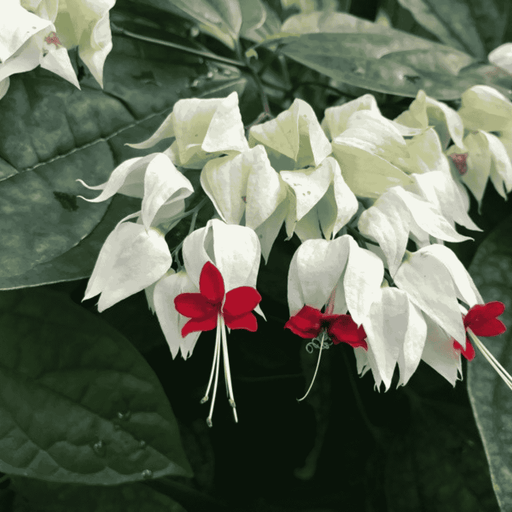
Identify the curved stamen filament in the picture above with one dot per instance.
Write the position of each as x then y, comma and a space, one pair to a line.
227, 370
322, 339
216, 364
506, 377
216, 353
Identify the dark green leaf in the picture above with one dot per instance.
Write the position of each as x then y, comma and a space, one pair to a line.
78, 262
38, 496
474, 26
438, 464
491, 399
51, 134
221, 19
381, 62
78, 404
257, 33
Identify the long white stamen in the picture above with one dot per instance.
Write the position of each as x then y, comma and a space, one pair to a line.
322, 339
216, 352
227, 370
216, 378
506, 377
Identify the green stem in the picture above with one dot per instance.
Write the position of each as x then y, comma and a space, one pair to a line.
200, 53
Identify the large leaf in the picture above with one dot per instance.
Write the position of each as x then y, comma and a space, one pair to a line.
474, 26
40, 496
51, 134
78, 403
221, 19
369, 61
491, 399
78, 262
379, 58
438, 463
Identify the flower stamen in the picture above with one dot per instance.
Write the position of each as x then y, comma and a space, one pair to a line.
227, 370
323, 337
505, 376
215, 379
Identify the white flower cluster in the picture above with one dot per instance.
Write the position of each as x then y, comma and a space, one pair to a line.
40, 33
356, 189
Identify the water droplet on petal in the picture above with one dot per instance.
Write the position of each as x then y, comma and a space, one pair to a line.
147, 473
100, 448
124, 416
142, 444
209, 75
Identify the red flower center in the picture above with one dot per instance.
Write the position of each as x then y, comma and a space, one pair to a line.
309, 322
204, 308
482, 321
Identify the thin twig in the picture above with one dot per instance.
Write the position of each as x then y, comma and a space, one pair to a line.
176, 46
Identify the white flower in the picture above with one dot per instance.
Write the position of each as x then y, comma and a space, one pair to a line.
398, 214
502, 57
294, 139
245, 188
203, 129
371, 152
425, 112
321, 267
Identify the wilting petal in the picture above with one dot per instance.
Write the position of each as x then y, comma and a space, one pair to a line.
241, 301
344, 329
307, 323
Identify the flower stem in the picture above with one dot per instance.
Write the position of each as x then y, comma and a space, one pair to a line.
200, 53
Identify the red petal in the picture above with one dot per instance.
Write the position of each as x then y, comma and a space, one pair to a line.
481, 319
344, 329
241, 301
307, 323
204, 324
469, 353
194, 305
247, 322
211, 283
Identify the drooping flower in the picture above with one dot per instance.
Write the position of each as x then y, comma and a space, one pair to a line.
216, 289
203, 129
309, 322
213, 308
205, 307
136, 255
481, 320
